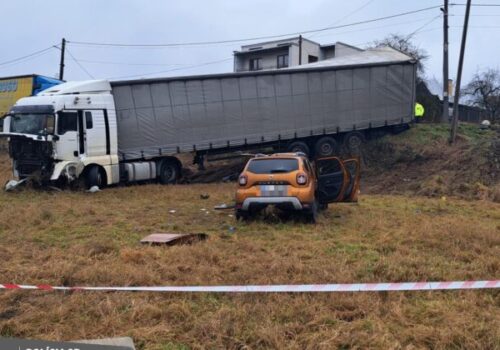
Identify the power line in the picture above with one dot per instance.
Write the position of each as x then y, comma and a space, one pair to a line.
423, 26
349, 14
254, 38
133, 63
79, 64
174, 69
376, 27
28, 56
478, 5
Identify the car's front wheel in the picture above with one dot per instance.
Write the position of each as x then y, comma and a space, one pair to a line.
311, 214
242, 215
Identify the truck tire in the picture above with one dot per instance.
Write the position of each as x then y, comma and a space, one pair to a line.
299, 146
95, 177
169, 172
325, 147
353, 142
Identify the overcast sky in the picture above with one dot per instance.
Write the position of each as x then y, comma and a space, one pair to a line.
29, 26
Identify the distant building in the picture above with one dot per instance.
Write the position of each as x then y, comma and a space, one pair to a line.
287, 53
14, 88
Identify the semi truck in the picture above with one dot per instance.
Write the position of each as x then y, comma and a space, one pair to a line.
114, 132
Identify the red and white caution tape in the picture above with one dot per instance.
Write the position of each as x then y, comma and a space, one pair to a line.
282, 288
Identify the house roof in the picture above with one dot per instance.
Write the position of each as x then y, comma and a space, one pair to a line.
264, 49
370, 56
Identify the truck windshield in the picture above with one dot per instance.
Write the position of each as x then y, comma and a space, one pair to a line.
31, 123
273, 165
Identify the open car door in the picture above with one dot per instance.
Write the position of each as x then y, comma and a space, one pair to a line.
338, 181
352, 167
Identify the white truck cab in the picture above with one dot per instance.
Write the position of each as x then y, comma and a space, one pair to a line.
70, 131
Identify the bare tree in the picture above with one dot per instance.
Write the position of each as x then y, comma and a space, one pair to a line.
404, 44
484, 91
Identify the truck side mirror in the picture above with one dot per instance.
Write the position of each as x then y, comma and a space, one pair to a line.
6, 123
55, 137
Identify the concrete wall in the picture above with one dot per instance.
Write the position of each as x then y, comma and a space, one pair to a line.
342, 49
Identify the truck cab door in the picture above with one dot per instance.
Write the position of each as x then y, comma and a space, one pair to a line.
95, 133
338, 181
67, 144
332, 179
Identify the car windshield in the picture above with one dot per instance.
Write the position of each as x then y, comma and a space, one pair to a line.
31, 123
273, 165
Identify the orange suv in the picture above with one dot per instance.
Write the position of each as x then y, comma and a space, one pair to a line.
290, 182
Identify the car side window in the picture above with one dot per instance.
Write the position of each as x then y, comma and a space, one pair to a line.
67, 121
328, 167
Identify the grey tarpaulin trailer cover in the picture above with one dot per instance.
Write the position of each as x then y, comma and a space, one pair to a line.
369, 89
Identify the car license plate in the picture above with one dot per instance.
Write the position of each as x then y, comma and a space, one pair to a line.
273, 190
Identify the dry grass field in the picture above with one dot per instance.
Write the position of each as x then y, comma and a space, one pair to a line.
78, 238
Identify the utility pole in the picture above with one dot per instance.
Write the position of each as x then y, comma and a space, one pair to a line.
300, 50
446, 100
454, 124
61, 64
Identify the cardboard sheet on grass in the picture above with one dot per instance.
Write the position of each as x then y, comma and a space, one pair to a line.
174, 238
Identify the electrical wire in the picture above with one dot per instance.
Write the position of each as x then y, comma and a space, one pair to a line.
423, 26
477, 5
171, 70
28, 56
249, 39
377, 27
348, 15
79, 64
133, 63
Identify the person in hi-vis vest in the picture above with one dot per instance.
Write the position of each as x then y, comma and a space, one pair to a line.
419, 112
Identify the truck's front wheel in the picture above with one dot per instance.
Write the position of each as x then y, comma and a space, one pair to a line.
95, 177
169, 172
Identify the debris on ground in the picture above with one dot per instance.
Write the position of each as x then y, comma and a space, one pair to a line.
174, 238
223, 206
204, 196
13, 184
94, 189
122, 343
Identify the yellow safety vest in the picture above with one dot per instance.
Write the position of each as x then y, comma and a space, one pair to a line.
419, 110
